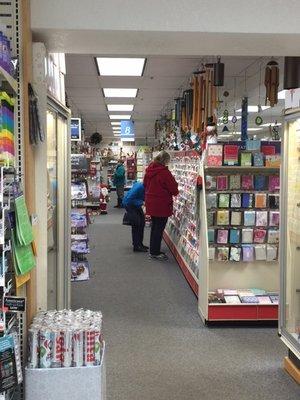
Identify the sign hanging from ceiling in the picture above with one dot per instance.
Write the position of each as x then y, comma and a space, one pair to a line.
127, 131
76, 129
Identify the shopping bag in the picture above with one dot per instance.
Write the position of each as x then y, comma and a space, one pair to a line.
126, 220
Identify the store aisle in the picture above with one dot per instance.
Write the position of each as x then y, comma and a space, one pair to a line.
157, 347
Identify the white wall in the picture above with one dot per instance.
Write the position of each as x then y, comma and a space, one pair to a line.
191, 27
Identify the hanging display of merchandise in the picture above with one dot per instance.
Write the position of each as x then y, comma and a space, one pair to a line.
290, 244
7, 144
130, 170
143, 159
240, 231
182, 231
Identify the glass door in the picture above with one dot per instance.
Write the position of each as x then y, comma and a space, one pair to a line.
290, 234
58, 198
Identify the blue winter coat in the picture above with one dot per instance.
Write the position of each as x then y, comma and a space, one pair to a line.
135, 196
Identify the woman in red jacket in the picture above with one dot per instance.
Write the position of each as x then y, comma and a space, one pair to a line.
160, 187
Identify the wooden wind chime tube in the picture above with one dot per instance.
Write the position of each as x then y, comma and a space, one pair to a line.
195, 120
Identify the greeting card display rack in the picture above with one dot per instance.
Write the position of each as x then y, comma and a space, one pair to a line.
239, 235
182, 231
144, 157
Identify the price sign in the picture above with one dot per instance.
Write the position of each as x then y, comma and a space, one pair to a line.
127, 131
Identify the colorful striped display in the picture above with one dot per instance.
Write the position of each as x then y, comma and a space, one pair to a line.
7, 143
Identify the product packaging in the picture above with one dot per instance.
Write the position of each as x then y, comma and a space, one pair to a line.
236, 218
274, 201
234, 182
211, 235
223, 253
224, 200
247, 235
211, 218
259, 235
261, 218
222, 182
273, 236
211, 253
260, 182
236, 200
249, 218
222, 236
260, 252
246, 159
235, 254
258, 160
247, 200
214, 155
274, 183
231, 154
247, 182
274, 218
211, 182
260, 200
211, 200
272, 252
234, 236
222, 217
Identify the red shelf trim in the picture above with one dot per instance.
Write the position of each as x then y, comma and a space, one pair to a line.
243, 312
182, 264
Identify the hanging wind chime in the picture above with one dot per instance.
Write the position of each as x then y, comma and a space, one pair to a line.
259, 119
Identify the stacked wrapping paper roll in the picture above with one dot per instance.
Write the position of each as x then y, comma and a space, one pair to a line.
65, 339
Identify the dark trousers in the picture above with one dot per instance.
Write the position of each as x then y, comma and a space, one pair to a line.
137, 219
157, 230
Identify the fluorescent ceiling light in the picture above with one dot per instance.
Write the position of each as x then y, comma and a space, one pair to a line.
111, 92
281, 94
128, 140
108, 66
255, 129
120, 107
116, 128
272, 124
120, 116
115, 123
117, 134
254, 109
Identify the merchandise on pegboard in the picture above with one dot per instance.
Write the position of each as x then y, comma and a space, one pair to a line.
131, 167
240, 227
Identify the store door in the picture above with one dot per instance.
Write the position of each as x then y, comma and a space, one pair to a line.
58, 198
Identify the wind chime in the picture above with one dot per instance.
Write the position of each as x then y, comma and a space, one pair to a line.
272, 83
259, 119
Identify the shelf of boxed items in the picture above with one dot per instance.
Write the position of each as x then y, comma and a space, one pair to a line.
240, 236
80, 267
182, 233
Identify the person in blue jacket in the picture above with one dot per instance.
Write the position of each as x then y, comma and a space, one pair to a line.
119, 182
133, 202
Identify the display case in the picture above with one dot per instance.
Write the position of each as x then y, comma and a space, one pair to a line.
290, 239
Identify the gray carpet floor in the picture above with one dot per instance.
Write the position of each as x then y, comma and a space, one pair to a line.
157, 346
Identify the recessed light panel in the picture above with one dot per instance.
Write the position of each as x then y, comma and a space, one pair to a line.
120, 107
112, 92
254, 109
119, 116
116, 123
108, 66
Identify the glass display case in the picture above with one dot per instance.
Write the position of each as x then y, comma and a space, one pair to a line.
290, 236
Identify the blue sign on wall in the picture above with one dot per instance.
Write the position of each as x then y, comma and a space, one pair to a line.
127, 130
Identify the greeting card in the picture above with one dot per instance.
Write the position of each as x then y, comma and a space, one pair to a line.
259, 235
247, 200
264, 299
214, 155
253, 145
222, 182
224, 200
260, 252
232, 299
274, 201
248, 253
223, 253
249, 299
235, 254
211, 218
258, 160
234, 236
234, 182
274, 183
236, 200
273, 236
236, 218
222, 236
211, 235
273, 161
222, 217
260, 200
268, 150
274, 299
247, 182
249, 218
260, 182
271, 253
274, 218
247, 235
211, 200
246, 159
211, 253
231, 154
261, 218
211, 182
